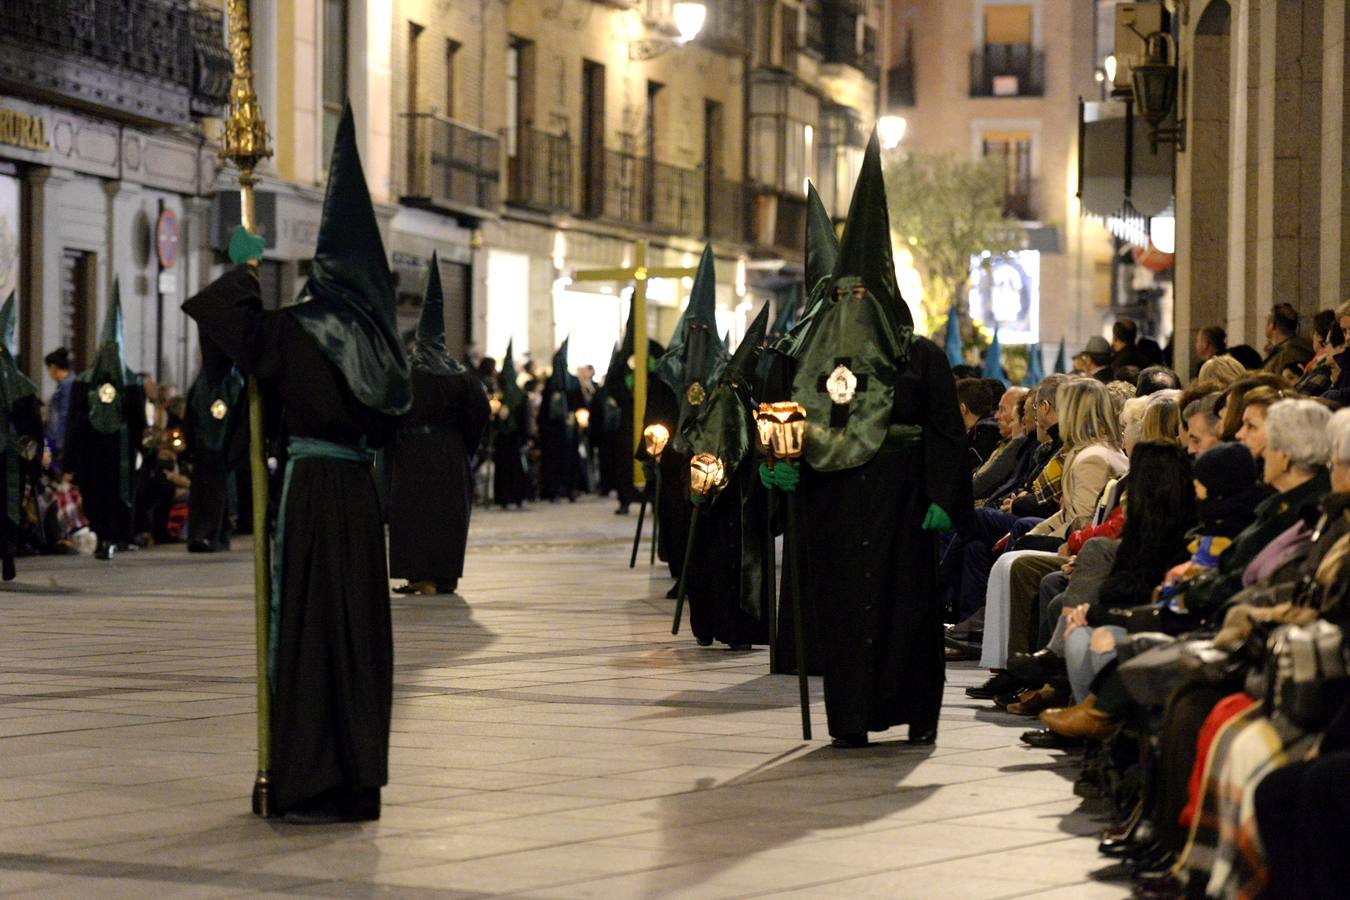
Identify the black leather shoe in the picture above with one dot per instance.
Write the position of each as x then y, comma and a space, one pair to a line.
739, 648
924, 737
673, 593
996, 686
1038, 667
104, 550
850, 741
1045, 739
202, 546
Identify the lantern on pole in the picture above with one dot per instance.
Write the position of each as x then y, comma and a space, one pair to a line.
707, 476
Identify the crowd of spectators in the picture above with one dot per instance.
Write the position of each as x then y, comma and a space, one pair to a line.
1157, 575
51, 514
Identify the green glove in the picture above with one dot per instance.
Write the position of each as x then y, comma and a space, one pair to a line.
766, 476
786, 476
245, 246
936, 519
697, 499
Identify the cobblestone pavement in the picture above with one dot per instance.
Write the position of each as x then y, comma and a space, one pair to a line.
550, 739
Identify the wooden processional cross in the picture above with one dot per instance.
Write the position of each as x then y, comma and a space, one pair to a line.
638, 274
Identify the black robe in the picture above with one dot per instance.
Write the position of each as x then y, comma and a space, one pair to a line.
217, 449
869, 569
559, 444
16, 473
510, 480
104, 465
721, 593
431, 488
334, 657
673, 503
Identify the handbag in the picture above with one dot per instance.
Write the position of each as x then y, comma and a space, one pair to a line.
1307, 678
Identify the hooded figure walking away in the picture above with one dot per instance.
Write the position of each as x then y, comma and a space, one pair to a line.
782, 356
510, 480
559, 443
431, 489
335, 364
618, 406
105, 426
886, 466
688, 369
217, 436
725, 581
21, 433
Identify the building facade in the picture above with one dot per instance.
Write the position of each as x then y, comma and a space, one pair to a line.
105, 170
1002, 80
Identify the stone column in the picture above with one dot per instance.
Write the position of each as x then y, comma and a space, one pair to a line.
1245, 31
1335, 194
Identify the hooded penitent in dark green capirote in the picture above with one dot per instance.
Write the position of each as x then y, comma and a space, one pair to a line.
560, 472
429, 351
334, 370
20, 425
725, 583
884, 443
105, 424
822, 248
695, 355
430, 483
510, 480
347, 304
217, 436
616, 454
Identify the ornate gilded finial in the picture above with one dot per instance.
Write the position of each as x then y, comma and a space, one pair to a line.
245, 138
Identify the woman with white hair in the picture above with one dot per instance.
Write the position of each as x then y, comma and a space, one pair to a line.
1091, 434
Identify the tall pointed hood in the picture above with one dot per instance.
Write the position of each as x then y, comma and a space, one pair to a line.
865, 252
109, 365
993, 360
557, 378
740, 369
1035, 367
822, 244
822, 252
429, 353
952, 345
506, 378
348, 304
14, 385
696, 354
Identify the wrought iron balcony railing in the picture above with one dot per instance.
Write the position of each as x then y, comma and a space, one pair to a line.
539, 175
160, 60
451, 165
638, 192
1007, 70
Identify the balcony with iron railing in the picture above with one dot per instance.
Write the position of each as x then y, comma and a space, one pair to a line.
451, 165
154, 60
1021, 201
539, 172
637, 192
1007, 70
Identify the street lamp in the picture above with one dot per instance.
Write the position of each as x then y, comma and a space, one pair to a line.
1154, 83
688, 17
891, 131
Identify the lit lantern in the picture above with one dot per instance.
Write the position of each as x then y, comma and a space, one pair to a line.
583, 418
495, 404
764, 426
175, 439
785, 423
654, 438
707, 474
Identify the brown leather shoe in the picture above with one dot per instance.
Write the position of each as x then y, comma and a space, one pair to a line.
1032, 702
1082, 720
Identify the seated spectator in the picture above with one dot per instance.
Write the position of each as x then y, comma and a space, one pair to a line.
1124, 349
1284, 345
1156, 378
1234, 400
1222, 369
1001, 463
1255, 405
1210, 342
1323, 370
977, 407
1098, 364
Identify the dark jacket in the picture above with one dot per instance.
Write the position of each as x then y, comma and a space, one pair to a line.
984, 438
1294, 352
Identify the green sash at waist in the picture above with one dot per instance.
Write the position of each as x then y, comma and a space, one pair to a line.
299, 448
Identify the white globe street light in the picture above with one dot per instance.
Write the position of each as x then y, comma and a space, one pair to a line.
689, 18
891, 131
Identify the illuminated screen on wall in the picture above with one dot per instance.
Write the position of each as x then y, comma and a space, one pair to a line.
1007, 290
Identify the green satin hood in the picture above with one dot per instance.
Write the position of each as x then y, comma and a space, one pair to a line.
109, 369
347, 305
724, 424
694, 359
14, 385
429, 351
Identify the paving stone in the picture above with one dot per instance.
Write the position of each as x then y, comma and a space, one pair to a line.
550, 739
